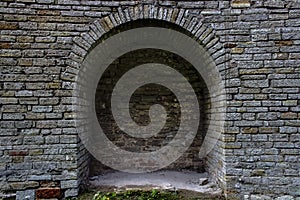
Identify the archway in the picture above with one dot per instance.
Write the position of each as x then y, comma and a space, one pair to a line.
82, 68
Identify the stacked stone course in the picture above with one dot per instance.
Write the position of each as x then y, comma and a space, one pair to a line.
255, 44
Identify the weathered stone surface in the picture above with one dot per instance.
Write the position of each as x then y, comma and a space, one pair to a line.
285, 197
23, 185
260, 197
40, 59
240, 3
25, 195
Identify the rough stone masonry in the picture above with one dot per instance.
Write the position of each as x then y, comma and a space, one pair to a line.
255, 45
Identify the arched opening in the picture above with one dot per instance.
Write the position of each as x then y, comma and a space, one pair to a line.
96, 80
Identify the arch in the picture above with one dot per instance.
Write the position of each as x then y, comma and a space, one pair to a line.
201, 33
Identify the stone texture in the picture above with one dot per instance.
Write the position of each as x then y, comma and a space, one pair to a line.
254, 43
26, 195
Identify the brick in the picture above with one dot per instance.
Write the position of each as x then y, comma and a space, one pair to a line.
34, 140
278, 96
35, 115
36, 152
8, 100
259, 138
248, 116
13, 116
17, 159
28, 25
47, 26
5, 45
68, 139
69, 184
249, 90
26, 1
289, 115
267, 116
268, 130
232, 145
53, 115
42, 93
52, 139
286, 83
237, 50
49, 101
48, 193
25, 39
39, 177
8, 132
290, 103
33, 53
250, 130
8, 26
274, 4
14, 108
71, 192
10, 53
255, 71
45, 39
69, 115
29, 100
24, 93
240, 3
53, 85
278, 137
18, 153
285, 145
284, 42
41, 109
23, 185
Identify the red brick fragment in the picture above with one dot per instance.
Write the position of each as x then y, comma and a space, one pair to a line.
48, 193
18, 153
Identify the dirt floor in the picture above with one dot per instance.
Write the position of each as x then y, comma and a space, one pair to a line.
166, 180
187, 184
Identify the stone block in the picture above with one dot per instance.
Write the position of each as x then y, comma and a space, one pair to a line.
255, 83
8, 100
8, 25
39, 177
240, 3
286, 83
41, 109
25, 195
23, 185
13, 116
260, 197
71, 192
289, 115
69, 184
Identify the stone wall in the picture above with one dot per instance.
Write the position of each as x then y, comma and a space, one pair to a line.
141, 101
254, 44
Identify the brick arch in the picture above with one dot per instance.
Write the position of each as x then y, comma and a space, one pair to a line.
203, 34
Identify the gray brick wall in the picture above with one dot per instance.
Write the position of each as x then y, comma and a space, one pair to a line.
255, 45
